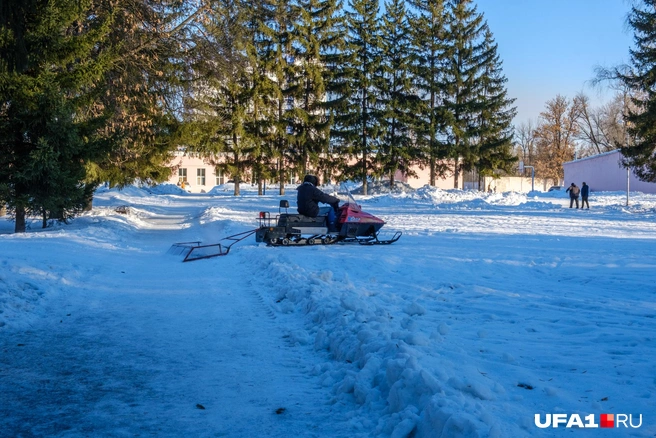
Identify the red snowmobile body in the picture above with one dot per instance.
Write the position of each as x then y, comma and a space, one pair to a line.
353, 222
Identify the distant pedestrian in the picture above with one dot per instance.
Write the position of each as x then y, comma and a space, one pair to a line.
573, 195
585, 190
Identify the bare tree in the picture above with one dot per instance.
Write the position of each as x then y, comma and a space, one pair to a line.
602, 129
590, 126
525, 141
555, 137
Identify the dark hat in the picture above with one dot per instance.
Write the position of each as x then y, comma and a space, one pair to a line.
311, 179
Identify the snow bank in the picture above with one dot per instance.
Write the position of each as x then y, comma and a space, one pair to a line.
375, 356
167, 189
24, 292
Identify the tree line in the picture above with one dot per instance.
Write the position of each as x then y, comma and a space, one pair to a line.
95, 91
348, 91
102, 91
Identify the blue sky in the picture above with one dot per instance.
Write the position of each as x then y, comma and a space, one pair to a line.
552, 47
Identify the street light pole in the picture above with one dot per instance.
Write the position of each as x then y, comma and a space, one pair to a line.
628, 179
532, 176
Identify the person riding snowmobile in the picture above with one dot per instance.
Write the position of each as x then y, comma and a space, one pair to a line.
309, 197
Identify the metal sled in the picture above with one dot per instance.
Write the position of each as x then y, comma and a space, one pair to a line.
195, 251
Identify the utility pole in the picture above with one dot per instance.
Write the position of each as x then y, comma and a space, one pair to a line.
628, 180
532, 176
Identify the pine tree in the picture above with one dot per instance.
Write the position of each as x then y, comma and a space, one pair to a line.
219, 103
399, 103
316, 37
429, 50
463, 71
356, 125
276, 55
263, 100
641, 80
49, 68
140, 93
495, 132
478, 111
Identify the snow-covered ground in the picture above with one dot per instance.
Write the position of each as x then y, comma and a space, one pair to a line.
491, 308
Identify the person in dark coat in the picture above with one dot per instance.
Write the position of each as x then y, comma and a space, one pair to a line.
573, 195
309, 197
585, 190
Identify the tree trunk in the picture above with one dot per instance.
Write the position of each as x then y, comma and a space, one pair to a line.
236, 192
432, 178
44, 222
281, 177
20, 220
89, 204
3, 210
364, 173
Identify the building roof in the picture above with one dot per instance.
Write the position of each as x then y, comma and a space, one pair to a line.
616, 151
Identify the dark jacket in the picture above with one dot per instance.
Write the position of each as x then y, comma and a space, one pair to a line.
585, 189
573, 191
308, 198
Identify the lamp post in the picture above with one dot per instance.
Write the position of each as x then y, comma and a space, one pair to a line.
628, 179
532, 176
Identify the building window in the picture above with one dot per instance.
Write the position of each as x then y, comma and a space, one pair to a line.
200, 177
182, 175
219, 177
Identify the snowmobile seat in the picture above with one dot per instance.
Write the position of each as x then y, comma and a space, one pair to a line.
299, 220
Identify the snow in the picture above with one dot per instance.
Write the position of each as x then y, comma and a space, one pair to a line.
491, 308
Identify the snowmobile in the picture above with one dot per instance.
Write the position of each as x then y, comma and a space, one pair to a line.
352, 225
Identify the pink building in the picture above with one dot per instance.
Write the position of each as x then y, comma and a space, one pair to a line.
604, 172
423, 178
200, 176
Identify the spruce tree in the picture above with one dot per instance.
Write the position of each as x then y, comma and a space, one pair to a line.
466, 79
316, 37
429, 51
146, 45
398, 102
356, 125
641, 80
495, 131
262, 100
276, 55
49, 68
219, 102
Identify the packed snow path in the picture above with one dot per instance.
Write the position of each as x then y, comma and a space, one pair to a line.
490, 309
133, 347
